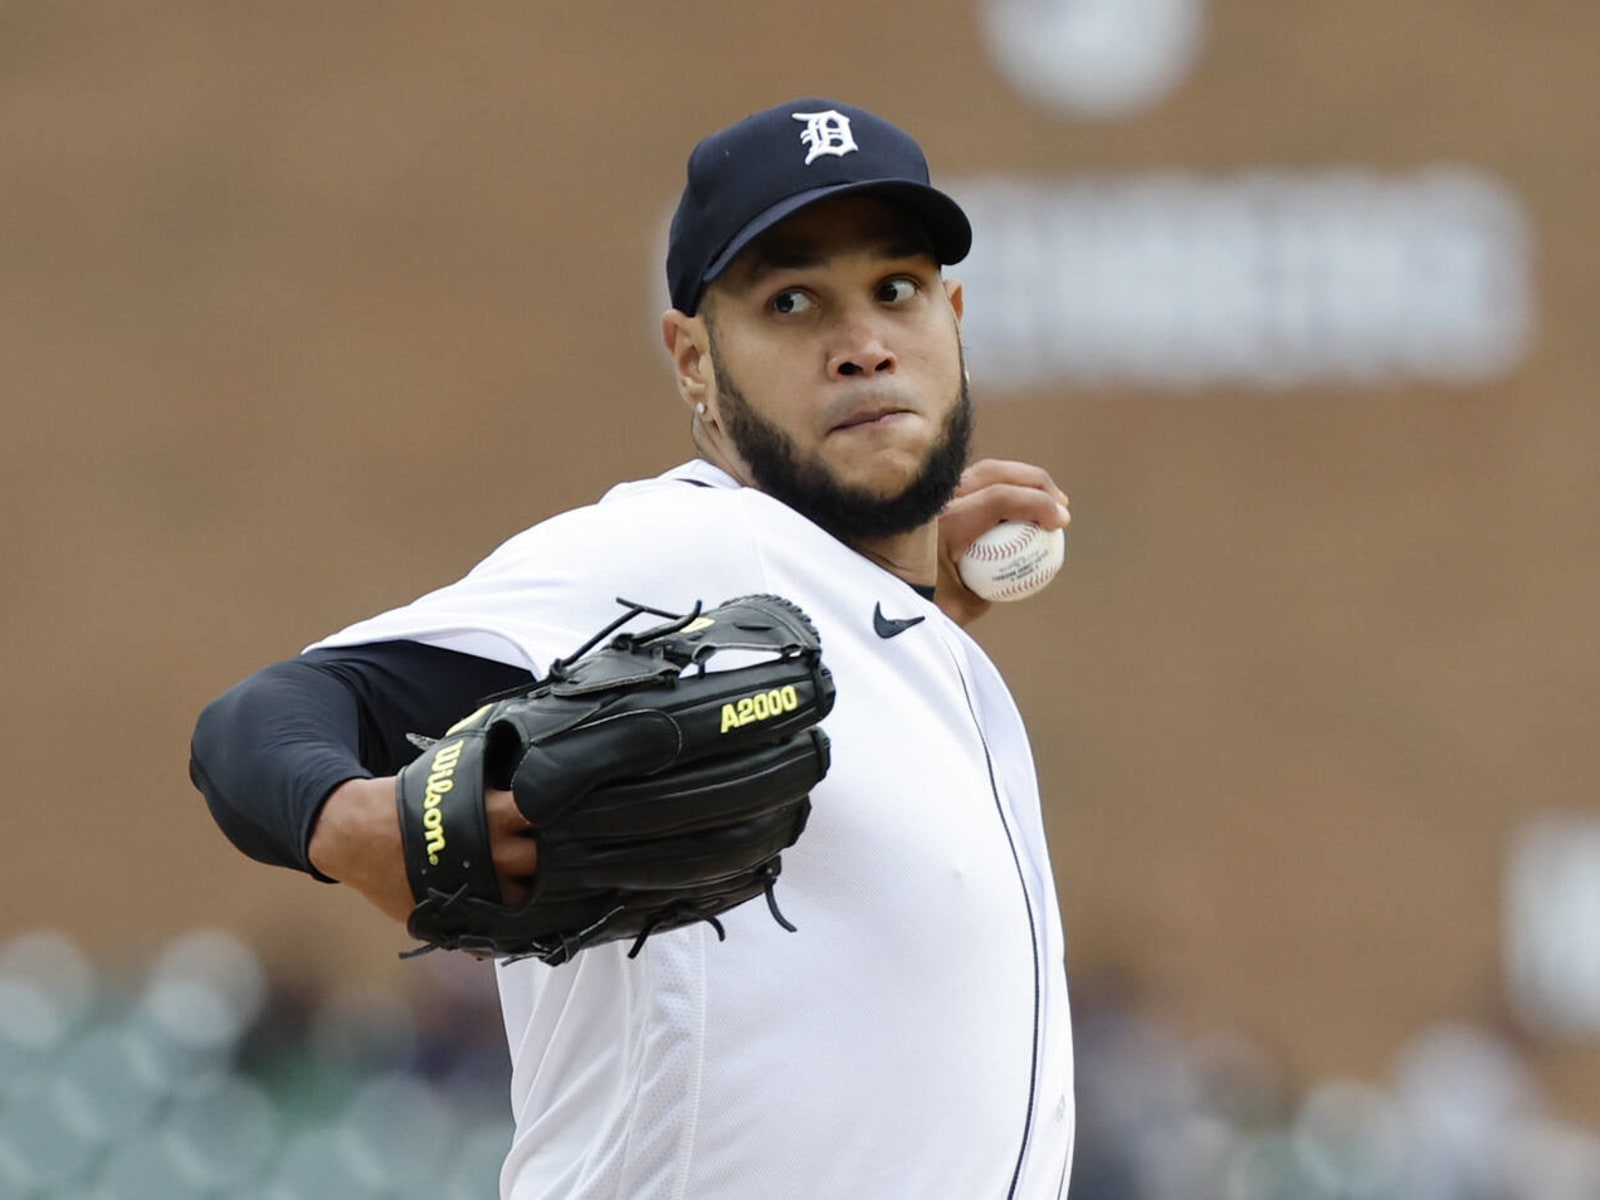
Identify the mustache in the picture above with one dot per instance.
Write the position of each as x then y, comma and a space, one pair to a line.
874, 397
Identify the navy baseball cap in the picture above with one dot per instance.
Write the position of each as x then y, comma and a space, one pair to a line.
745, 179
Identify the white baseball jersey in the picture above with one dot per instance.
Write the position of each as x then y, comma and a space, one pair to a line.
912, 1039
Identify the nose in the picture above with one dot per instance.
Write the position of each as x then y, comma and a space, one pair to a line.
859, 350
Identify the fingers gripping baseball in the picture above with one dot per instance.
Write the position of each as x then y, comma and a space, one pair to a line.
991, 491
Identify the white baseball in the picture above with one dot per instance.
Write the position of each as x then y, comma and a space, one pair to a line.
1012, 560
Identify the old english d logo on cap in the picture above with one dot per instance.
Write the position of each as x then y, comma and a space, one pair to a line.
826, 133
743, 180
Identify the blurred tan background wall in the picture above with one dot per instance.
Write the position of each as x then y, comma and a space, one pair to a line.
304, 307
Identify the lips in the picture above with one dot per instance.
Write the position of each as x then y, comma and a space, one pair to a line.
869, 416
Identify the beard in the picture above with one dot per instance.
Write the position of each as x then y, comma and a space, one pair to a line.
806, 485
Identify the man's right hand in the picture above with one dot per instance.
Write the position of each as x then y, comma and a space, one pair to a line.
356, 840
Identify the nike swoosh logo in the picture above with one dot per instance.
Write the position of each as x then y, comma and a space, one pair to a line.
888, 627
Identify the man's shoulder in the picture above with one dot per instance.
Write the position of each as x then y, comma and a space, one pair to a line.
695, 501
692, 501
691, 484
690, 511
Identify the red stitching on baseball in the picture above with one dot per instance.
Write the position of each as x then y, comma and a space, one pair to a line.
1012, 545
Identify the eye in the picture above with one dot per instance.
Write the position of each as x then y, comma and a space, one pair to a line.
897, 290
791, 301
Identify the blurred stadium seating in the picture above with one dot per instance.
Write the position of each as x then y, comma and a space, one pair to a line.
198, 1082
1459, 1118
200, 1079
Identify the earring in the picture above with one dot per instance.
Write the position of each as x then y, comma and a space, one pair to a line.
700, 407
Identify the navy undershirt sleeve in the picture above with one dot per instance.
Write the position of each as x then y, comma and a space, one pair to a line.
268, 751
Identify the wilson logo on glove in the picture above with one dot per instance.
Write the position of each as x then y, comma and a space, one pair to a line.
439, 782
660, 793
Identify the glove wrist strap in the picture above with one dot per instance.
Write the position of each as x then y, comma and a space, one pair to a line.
443, 827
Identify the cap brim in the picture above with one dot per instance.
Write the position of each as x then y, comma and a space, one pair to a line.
946, 224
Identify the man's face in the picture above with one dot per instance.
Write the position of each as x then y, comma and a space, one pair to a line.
839, 373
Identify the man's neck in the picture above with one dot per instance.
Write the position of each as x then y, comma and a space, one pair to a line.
913, 556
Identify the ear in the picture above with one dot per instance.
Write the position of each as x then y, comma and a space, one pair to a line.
957, 298
689, 345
